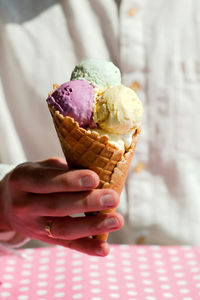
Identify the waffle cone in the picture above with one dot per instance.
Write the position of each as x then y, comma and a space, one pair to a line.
85, 149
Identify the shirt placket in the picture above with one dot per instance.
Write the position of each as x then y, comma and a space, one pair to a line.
133, 61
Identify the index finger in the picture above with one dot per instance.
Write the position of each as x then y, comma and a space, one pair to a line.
39, 179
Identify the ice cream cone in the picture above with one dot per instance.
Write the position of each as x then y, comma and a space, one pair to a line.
86, 149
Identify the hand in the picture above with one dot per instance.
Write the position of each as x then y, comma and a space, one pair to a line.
34, 192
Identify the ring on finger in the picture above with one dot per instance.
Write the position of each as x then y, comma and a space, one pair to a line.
48, 227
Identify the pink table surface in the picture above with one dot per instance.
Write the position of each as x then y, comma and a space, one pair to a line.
128, 272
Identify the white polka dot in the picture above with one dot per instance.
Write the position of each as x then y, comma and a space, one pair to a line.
111, 271
142, 266
130, 284
77, 278
142, 258
184, 291
179, 274
95, 282
189, 255
114, 295
22, 297
174, 259
45, 252
9, 269
149, 290
195, 269
111, 264
29, 250
93, 266
155, 248
157, 254
42, 275
128, 277
186, 248
76, 263
11, 262
131, 293
24, 288
196, 277
59, 285
112, 279
44, 260
25, 281
77, 287
77, 270
60, 254
123, 246
159, 263
26, 273
42, 283
198, 285
43, 268
125, 254
141, 250
59, 277
94, 274
172, 251
192, 262
113, 287
27, 266
150, 298
77, 296
145, 274
95, 290
77, 255
111, 257
41, 292
147, 281
96, 298
7, 285
5, 294
165, 286
176, 267
60, 261
163, 278
60, 269
181, 282
126, 262
93, 259
167, 295
187, 298
8, 276
127, 270
161, 271
59, 294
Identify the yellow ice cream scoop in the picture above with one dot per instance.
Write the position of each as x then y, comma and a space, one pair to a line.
118, 110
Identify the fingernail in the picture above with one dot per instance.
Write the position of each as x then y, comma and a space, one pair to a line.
100, 252
112, 223
87, 181
107, 200
103, 251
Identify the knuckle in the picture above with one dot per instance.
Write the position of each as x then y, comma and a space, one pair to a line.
87, 201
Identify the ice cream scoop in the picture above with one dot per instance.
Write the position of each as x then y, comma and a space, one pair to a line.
98, 72
118, 110
74, 99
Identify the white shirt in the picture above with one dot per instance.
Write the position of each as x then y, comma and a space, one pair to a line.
156, 45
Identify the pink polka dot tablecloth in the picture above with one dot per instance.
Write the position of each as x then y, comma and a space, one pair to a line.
127, 273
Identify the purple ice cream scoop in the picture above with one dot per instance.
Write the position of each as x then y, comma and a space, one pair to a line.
74, 99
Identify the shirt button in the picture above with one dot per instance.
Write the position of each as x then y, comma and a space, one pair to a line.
135, 85
139, 167
132, 11
141, 240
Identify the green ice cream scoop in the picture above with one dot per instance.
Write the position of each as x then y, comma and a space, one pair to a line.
98, 72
